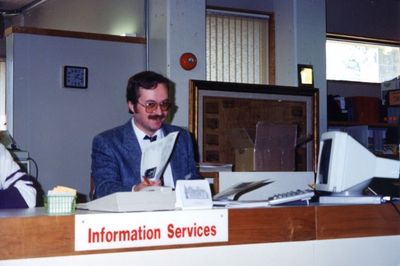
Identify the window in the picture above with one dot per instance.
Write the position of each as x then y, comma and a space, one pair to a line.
237, 47
361, 61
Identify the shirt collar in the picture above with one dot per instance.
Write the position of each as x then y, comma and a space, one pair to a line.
140, 134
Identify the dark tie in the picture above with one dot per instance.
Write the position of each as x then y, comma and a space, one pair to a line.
153, 138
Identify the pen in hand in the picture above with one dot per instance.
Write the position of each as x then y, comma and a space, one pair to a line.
146, 181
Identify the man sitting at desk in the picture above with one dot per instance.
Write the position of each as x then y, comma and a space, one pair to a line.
116, 153
16, 187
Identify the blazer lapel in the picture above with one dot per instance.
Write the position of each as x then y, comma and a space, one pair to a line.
130, 142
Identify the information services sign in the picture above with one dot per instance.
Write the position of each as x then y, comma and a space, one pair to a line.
141, 229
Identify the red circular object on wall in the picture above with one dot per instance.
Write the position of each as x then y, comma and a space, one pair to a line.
188, 61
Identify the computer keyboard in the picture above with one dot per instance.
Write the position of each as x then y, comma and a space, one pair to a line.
290, 196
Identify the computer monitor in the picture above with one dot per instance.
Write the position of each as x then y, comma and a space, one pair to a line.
345, 167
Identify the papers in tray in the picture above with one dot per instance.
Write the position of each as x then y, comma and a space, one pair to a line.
155, 156
151, 200
237, 190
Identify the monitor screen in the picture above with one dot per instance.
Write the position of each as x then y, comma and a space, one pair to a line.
324, 161
347, 167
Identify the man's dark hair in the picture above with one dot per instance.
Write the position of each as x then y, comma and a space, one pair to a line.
147, 80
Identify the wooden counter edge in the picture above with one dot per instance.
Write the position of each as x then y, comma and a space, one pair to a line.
50, 236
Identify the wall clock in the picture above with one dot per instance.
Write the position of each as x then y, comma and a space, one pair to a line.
75, 77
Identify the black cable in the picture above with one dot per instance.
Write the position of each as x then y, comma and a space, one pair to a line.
36, 166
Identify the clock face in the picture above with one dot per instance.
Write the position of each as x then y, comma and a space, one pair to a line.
75, 77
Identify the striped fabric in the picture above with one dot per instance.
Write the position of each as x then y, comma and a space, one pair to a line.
16, 187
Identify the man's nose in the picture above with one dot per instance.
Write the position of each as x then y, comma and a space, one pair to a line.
158, 110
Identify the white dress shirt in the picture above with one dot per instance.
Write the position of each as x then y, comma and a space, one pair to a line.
167, 175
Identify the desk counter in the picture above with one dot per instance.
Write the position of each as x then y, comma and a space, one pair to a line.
31, 233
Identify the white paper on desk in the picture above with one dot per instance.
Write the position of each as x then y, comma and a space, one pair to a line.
155, 156
237, 190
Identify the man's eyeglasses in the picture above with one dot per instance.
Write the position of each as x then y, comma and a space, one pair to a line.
151, 106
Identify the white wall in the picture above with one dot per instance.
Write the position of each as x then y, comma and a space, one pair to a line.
300, 39
285, 43
56, 125
115, 17
311, 49
177, 27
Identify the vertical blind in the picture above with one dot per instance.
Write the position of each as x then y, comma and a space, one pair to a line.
237, 48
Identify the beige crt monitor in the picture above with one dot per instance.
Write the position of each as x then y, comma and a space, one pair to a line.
345, 167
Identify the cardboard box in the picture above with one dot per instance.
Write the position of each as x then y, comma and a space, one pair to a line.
386, 87
394, 98
271, 149
363, 109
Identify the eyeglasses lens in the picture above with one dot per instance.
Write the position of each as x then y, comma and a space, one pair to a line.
152, 106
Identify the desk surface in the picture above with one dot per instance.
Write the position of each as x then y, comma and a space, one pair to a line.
31, 233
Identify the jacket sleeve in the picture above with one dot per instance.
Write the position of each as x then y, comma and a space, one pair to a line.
105, 169
191, 163
17, 189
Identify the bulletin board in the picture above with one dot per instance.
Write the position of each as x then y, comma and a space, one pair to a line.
218, 107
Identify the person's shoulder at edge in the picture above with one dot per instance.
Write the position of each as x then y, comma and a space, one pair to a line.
23, 192
113, 132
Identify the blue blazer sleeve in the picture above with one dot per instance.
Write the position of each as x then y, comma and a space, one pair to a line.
116, 158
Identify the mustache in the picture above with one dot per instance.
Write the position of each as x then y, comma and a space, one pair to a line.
156, 117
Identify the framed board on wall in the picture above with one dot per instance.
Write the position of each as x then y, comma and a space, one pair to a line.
215, 108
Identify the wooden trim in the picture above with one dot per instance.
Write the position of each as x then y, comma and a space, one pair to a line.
271, 50
250, 226
74, 34
215, 177
193, 110
50, 236
350, 82
361, 38
238, 10
357, 221
354, 123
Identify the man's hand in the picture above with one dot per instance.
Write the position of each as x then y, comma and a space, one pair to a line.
147, 183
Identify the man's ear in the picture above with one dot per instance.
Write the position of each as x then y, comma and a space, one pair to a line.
131, 107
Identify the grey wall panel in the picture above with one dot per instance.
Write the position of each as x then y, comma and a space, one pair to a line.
55, 124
